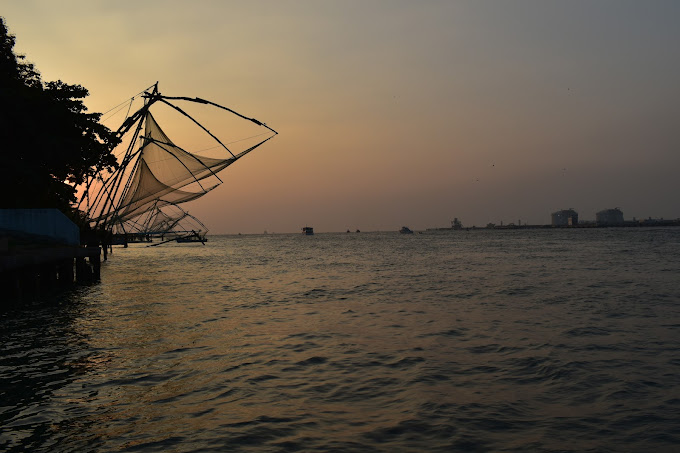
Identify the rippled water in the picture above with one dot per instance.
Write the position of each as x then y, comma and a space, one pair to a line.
445, 341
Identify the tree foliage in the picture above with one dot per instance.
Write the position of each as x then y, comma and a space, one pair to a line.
49, 143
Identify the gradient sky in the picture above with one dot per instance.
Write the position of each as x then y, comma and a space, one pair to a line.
394, 112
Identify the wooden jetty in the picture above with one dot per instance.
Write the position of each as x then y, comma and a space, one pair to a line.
29, 273
39, 259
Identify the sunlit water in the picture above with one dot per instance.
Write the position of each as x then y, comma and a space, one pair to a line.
444, 341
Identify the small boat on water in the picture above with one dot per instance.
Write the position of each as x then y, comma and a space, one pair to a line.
308, 230
406, 230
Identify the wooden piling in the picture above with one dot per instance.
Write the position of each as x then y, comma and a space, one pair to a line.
31, 274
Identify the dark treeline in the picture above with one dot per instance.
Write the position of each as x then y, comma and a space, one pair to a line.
48, 141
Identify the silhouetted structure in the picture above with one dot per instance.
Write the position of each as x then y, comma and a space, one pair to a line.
142, 195
41, 253
565, 217
609, 217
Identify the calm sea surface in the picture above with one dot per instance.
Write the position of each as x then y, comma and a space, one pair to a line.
531, 340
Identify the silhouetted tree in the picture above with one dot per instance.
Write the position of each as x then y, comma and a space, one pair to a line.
48, 141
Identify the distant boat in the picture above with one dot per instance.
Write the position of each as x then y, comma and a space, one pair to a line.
307, 231
406, 230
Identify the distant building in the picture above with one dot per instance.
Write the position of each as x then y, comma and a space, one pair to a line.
565, 217
609, 217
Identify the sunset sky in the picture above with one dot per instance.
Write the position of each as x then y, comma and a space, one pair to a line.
395, 112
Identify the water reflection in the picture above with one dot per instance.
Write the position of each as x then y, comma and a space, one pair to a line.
370, 342
44, 353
